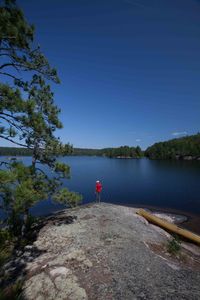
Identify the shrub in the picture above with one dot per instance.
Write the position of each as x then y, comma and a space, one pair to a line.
174, 246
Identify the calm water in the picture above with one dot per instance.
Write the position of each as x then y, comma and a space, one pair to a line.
162, 184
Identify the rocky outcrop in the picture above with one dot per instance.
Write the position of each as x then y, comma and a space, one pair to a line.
106, 252
188, 157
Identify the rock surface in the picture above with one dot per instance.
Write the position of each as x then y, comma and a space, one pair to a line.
107, 252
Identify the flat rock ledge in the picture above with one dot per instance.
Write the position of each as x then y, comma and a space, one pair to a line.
106, 252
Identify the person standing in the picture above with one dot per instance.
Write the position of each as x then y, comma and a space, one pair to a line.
98, 191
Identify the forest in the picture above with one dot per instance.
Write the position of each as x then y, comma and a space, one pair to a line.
123, 151
187, 148
180, 148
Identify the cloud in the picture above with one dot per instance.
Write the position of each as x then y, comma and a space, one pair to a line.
176, 133
138, 140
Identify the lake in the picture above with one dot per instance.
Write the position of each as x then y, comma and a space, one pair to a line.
174, 185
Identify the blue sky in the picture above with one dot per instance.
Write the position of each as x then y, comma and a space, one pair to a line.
130, 69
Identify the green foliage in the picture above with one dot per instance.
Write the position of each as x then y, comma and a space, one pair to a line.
16, 40
4, 236
63, 169
123, 151
68, 150
174, 245
13, 27
86, 151
5, 245
176, 148
67, 197
5, 254
18, 187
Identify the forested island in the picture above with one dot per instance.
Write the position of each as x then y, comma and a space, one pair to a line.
186, 148
123, 152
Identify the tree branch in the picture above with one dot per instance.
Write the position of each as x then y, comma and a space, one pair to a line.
9, 116
7, 65
4, 163
42, 172
14, 142
12, 76
21, 128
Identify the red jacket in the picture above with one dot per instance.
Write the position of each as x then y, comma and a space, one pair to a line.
98, 187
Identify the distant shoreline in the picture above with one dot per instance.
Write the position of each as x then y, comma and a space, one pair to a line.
185, 159
185, 148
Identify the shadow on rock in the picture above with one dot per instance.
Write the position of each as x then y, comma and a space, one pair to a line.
13, 273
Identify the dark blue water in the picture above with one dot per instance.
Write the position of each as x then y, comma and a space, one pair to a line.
162, 184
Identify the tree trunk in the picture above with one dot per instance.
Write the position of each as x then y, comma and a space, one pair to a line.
25, 220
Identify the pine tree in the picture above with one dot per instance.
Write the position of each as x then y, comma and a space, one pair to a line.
28, 118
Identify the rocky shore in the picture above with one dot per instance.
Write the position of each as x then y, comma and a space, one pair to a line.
104, 251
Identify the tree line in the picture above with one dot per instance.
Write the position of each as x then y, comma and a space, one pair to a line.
14, 151
187, 147
123, 151
179, 148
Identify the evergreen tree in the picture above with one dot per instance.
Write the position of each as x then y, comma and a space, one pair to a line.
28, 118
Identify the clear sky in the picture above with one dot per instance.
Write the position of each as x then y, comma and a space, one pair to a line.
130, 69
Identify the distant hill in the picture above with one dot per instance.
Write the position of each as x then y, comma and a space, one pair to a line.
186, 148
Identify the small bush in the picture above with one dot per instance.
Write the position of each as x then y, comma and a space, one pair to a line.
174, 245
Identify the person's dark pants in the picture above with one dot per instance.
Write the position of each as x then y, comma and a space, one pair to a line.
98, 198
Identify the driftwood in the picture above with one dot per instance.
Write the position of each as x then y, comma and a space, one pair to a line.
169, 226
